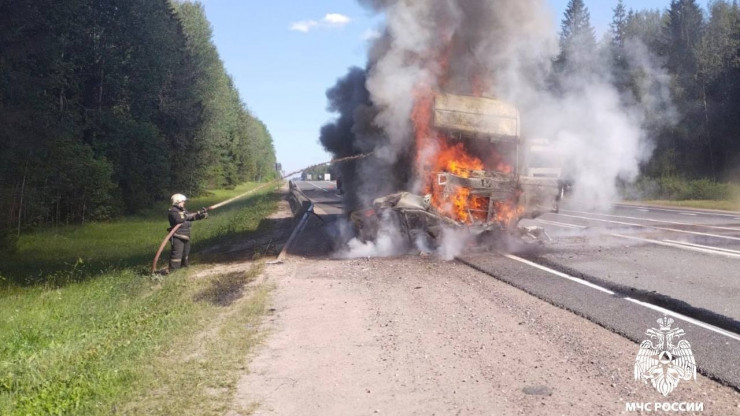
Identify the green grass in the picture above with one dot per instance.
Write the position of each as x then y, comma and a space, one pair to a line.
72, 253
201, 377
677, 191
125, 344
99, 337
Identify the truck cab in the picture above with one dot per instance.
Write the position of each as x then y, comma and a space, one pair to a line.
492, 179
524, 177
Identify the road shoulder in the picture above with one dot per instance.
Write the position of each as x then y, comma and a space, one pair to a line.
416, 335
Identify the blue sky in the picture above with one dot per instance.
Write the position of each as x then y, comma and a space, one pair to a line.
284, 54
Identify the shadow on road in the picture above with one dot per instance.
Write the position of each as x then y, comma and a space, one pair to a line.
317, 239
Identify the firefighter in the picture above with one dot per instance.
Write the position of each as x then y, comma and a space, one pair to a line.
180, 241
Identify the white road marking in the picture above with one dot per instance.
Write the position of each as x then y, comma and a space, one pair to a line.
561, 224
557, 273
317, 187
669, 243
653, 227
686, 318
643, 209
716, 227
645, 304
736, 218
726, 250
733, 213
683, 246
687, 213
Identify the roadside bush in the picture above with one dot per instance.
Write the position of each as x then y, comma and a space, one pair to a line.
708, 189
676, 189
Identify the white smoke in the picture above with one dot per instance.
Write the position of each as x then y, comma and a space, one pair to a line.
510, 45
598, 138
389, 241
452, 243
652, 89
505, 49
600, 134
393, 79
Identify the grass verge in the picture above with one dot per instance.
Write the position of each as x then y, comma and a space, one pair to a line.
680, 192
60, 255
100, 337
701, 204
122, 344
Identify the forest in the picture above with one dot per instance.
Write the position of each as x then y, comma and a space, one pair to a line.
109, 106
698, 51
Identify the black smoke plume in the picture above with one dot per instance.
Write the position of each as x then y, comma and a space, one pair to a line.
502, 49
353, 133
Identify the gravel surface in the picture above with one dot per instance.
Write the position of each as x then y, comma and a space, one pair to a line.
415, 335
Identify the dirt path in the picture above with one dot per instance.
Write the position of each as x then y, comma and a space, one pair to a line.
417, 335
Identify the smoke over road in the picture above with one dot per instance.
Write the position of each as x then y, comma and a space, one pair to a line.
505, 49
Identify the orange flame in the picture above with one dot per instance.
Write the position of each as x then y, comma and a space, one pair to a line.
508, 211
437, 153
456, 160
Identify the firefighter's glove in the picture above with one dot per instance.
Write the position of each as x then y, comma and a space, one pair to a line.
202, 214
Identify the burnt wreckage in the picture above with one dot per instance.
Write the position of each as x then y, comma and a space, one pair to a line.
505, 179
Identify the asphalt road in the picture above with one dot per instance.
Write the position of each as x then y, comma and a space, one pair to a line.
626, 268
689, 256
323, 194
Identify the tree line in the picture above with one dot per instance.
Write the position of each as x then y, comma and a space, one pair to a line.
699, 51
107, 106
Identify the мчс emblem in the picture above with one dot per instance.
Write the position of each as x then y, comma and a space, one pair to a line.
667, 361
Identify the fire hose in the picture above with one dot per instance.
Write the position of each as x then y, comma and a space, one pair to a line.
297, 230
230, 200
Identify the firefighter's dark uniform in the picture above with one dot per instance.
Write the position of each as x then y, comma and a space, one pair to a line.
180, 241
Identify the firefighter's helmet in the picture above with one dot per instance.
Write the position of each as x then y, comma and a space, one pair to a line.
177, 198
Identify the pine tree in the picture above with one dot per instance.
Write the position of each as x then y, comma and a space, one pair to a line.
645, 26
577, 39
113, 103
718, 61
682, 36
618, 25
616, 48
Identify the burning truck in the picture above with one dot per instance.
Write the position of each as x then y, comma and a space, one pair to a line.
475, 173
